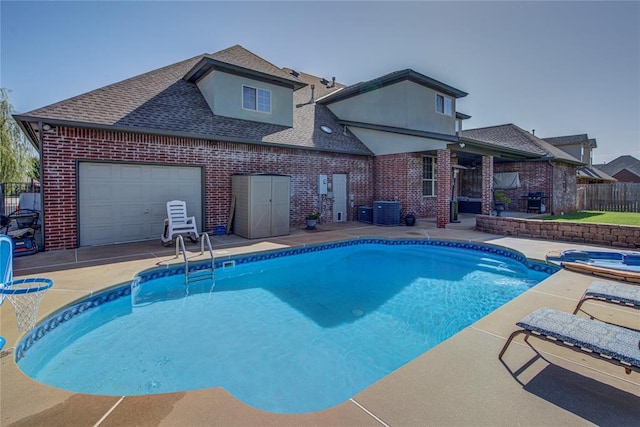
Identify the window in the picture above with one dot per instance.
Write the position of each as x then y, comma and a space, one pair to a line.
429, 176
256, 99
444, 105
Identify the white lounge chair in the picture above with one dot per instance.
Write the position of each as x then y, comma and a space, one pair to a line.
177, 222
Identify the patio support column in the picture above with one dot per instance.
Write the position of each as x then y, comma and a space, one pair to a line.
443, 170
487, 185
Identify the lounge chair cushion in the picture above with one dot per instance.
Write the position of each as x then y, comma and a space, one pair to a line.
610, 292
602, 338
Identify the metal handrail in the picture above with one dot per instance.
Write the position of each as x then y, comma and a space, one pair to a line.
179, 246
204, 237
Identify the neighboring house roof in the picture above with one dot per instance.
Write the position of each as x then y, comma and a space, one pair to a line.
162, 101
615, 166
590, 172
568, 139
582, 138
389, 79
512, 137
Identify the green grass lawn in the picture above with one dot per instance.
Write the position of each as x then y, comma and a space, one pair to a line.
618, 218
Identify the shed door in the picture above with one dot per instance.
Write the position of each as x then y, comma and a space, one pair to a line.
120, 203
280, 198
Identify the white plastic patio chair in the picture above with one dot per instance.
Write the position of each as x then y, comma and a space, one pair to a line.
177, 222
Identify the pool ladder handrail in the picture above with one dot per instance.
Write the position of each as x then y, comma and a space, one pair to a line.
181, 248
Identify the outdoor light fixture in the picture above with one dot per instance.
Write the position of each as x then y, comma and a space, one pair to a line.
461, 144
46, 126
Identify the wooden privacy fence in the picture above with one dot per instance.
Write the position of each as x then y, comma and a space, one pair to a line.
617, 197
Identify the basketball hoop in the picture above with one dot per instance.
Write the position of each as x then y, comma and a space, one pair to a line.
25, 296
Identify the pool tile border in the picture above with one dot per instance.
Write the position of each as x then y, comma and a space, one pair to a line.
121, 291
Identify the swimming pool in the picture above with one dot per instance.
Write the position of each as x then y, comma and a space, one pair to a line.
289, 331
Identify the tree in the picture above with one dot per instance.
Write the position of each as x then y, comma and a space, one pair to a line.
34, 168
15, 150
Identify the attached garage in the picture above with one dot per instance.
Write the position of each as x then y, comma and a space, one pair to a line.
120, 202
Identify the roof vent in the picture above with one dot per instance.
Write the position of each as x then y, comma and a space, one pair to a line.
333, 84
324, 81
294, 73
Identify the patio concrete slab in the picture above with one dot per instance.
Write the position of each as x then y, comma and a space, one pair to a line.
459, 382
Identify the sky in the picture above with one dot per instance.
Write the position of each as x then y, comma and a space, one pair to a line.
561, 68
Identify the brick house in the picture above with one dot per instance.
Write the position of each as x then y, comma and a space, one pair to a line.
538, 166
623, 168
581, 147
112, 157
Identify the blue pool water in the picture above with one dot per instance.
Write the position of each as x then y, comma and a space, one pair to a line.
290, 334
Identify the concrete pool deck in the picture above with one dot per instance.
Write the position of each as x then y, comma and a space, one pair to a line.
459, 382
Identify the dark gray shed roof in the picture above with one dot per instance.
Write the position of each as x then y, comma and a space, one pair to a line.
162, 101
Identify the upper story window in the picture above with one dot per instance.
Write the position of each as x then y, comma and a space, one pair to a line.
444, 105
256, 99
429, 187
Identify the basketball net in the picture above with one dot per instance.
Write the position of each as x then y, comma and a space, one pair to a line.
25, 296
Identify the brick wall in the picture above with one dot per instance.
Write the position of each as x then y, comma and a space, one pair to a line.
63, 146
537, 176
622, 236
443, 169
399, 177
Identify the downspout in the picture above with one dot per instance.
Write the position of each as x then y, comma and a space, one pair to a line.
551, 202
40, 151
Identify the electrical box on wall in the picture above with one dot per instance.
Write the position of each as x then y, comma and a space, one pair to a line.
322, 184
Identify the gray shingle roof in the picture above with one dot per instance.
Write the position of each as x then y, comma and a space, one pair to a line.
237, 59
568, 139
623, 162
392, 78
512, 137
162, 101
594, 173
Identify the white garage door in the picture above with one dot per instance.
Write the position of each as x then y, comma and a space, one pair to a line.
127, 202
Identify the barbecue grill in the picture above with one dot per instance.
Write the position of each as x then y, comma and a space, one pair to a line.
535, 201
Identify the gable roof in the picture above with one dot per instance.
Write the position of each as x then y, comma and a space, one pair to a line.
163, 102
239, 60
512, 137
389, 79
582, 138
568, 139
590, 172
623, 162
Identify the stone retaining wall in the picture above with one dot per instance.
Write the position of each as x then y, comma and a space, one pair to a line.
621, 236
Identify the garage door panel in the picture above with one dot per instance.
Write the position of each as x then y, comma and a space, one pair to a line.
99, 212
131, 173
100, 171
132, 192
127, 202
100, 234
132, 212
